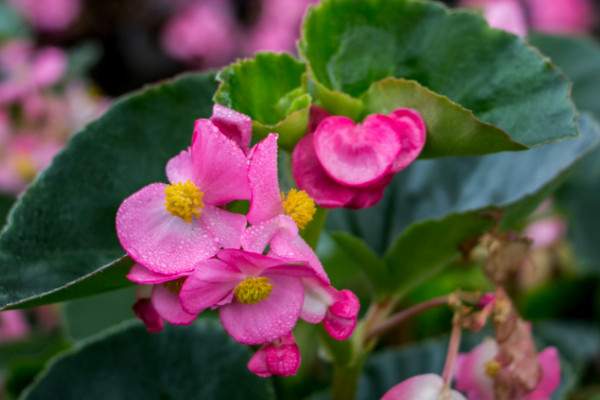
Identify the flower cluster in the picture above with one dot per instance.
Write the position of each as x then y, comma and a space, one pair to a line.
193, 254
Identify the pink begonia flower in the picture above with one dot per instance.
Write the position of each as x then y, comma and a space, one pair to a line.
473, 371
169, 228
546, 232
203, 32
508, 15
275, 222
346, 165
561, 16
158, 298
421, 387
280, 357
49, 15
26, 155
259, 297
13, 326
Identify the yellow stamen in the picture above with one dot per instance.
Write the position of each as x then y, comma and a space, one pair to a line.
299, 206
25, 167
492, 368
253, 290
184, 200
175, 286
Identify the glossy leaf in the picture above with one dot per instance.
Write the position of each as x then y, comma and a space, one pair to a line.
60, 239
270, 90
579, 58
451, 129
199, 361
496, 75
434, 205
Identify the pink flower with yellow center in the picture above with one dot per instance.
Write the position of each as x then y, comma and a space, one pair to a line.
170, 228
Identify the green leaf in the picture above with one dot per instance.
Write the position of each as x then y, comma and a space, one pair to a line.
579, 58
434, 205
60, 238
451, 129
6, 202
199, 361
269, 88
496, 75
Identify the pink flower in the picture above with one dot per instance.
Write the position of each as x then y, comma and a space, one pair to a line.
170, 228
201, 32
346, 165
546, 232
13, 326
474, 371
508, 15
421, 387
259, 297
49, 15
280, 357
158, 298
561, 16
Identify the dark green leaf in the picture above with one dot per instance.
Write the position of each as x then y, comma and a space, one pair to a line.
63, 228
270, 90
451, 129
199, 361
495, 74
6, 203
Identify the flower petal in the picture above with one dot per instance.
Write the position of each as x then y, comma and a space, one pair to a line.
249, 263
420, 387
211, 282
357, 155
163, 243
312, 178
224, 226
266, 201
180, 168
256, 238
366, 199
141, 274
550, 364
236, 126
281, 357
413, 134
144, 310
168, 306
220, 166
269, 319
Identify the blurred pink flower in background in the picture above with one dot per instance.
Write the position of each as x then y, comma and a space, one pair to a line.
422, 387
49, 15
202, 33
13, 326
556, 16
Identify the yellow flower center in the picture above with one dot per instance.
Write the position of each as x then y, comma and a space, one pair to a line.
253, 290
184, 200
299, 206
175, 285
492, 367
25, 167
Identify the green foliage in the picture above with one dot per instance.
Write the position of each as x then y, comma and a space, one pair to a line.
61, 234
199, 361
496, 75
269, 89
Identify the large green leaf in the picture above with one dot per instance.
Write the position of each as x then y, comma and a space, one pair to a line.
195, 362
495, 74
579, 58
434, 205
270, 90
63, 228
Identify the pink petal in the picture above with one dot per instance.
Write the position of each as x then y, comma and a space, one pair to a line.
420, 387
269, 319
220, 166
317, 115
225, 227
141, 274
211, 283
249, 263
507, 15
550, 374
266, 201
314, 307
49, 65
340, 320
236, 126
412, 130
366, 199
144, 310
312, 178
163, 243
471, 376
357, 155
168, 306
281, 357
180, 168
256, 238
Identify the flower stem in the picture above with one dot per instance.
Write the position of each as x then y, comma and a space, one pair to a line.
452, 352
345, 380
